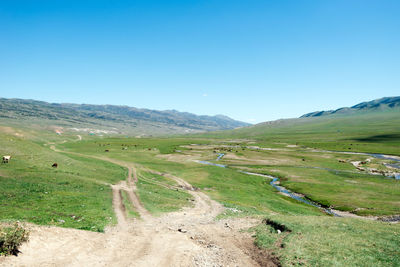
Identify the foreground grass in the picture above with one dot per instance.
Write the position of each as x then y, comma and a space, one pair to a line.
324, 241
159, 194
76, 194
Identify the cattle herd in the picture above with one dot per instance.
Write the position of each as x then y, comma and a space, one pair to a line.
6, 159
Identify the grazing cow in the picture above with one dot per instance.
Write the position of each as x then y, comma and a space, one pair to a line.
106, 150
55, 165
6, 159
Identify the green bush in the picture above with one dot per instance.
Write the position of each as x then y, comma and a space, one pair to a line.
11, 238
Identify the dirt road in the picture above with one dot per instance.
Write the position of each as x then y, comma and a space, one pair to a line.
190, 237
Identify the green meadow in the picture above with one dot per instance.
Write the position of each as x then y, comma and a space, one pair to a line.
160, 194
77, 194
371, 132
315, 239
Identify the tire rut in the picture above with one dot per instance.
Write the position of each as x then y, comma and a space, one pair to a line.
119, 208
189, 237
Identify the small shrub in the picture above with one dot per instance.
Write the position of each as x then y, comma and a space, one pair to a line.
11, 238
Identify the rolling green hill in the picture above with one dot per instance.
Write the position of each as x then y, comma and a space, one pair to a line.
112, 119
374, 128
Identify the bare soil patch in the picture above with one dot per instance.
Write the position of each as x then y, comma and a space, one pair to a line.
190, 237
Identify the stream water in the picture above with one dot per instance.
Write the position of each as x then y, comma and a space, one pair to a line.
220, 155
275, 183
275, 180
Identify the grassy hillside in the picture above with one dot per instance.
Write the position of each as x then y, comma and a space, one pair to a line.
374, 132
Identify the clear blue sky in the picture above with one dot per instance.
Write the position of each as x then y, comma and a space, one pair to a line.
251, 60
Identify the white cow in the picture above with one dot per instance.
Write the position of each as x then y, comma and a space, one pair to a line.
6, 159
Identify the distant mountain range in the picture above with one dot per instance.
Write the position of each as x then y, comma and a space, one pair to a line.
384, 103
121, 119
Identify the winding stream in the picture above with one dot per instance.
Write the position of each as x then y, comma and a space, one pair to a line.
275, 180
220, 155
275, 183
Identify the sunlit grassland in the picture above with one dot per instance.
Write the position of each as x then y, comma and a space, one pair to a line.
318, 175
225, 185
79, 188
359, 193
327, 178
315, 239
160, 194
76, 194
372, 132
327, 241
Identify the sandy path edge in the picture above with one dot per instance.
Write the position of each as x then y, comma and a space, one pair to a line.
190, 237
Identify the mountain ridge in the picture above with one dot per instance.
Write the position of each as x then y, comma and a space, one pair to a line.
140, 120
376, 104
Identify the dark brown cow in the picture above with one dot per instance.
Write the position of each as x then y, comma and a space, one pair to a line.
55, 165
